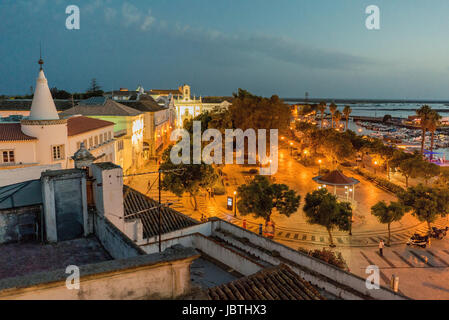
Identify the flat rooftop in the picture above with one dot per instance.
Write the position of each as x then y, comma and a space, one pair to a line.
206, 273
19, 259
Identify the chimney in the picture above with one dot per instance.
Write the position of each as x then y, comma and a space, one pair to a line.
108, 192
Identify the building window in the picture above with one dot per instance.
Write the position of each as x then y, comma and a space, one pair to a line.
119, 145
58, 152
91, 142
101, 139
8, 156
85, 143
109, 135
96, 140
105, 137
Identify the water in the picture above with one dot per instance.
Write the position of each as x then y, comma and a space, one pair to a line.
399, 110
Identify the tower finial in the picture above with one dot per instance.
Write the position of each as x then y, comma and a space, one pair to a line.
41, 62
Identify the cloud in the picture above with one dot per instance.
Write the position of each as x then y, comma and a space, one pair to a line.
275, 47
130, 14
147, 21
110, 14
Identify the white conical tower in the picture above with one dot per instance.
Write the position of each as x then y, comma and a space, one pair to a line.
43, 107
44, 124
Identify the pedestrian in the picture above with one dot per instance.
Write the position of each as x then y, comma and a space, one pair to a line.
260, 229
381, 248
244, 223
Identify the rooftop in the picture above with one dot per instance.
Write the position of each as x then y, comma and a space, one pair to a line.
25, 104
21, 194
19, 259
108, 108
13, 132
81, 124
205, 273
165, 91
217, 99
335, 178
145, 104
136, 205
276, 283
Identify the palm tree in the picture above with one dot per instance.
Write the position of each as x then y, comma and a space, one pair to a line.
347, 111
337, 116
424, 114
333, 108
322, 107
432, 125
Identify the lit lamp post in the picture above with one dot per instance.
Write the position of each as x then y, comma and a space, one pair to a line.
375, 166
319, 166
235, 203
291, 148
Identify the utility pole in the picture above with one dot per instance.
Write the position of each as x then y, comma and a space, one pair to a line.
159, 212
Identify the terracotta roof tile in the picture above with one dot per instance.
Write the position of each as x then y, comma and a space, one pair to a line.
276, 283
172, 220
13, 132
80, 124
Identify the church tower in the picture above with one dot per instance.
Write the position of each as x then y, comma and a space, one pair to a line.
44, 124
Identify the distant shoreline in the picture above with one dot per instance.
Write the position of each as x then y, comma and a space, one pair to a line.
354, 101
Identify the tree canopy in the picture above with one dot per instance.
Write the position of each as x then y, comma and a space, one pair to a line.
426, 203
387, 214
253, 112
322, 208
192, 178
260, 197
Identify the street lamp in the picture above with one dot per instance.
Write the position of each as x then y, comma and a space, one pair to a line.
291, 148
375, 166
235, 203
319, 168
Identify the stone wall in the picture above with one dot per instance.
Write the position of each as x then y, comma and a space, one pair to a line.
10, 218
118, 245
156, 276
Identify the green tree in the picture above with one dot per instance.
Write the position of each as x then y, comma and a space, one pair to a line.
426, 203
410, 168
94, 89
337, 117
424, 114
322, 108
386, 118
60, 94
260, 197
192, 179
332, 109
252, 112
388, 214
322, 208
336, 147
432, 125
428, 170
347, 112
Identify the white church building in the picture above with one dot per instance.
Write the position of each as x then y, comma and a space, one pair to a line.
43, 139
